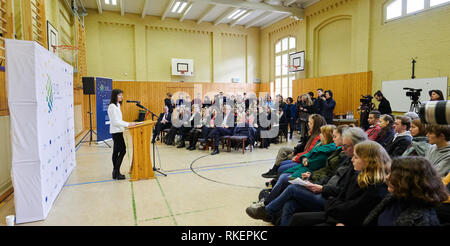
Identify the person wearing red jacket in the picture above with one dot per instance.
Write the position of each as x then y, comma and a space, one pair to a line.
375, 128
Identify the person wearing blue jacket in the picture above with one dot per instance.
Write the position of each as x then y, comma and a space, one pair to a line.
328, 105
291, 114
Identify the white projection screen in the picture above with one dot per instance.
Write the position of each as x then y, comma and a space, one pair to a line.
40, 97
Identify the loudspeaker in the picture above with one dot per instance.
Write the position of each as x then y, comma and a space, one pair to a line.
88, 85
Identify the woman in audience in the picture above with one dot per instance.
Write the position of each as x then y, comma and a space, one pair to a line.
416, 190
439, 152
363, 187
312, 197
315, 121
419, 144
311, 161
387, 130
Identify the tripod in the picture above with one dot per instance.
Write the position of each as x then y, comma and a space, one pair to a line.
153, 144
415, 106
91, 131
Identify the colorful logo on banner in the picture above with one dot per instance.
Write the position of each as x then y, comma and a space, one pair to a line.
103, 98
49, 96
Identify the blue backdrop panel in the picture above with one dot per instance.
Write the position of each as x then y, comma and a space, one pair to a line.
103, 96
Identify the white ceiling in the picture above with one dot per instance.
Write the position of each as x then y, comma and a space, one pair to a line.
263, 12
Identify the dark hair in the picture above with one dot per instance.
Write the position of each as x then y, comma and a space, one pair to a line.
376, 114
405, 120
388, 128
440, 129
320, 89
311, 94
290, 99
422, 127
114, 95
329, 92
319, 121
439, 92
414, 179
378, 94
169, 94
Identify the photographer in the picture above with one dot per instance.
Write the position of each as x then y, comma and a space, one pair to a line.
385, 106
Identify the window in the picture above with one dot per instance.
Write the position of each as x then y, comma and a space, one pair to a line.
283, 79
437, 2
395, 9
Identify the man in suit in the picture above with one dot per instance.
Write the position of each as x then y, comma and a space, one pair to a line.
223, 128
402, 138
164, 122
317, 104
169, 102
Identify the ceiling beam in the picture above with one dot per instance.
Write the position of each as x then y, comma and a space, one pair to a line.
256, 6
168, 8
99, 5
258, 19
289, 2
144, 9
122, 8
234, 22
224, 16
189, 7
274, 21
206, 13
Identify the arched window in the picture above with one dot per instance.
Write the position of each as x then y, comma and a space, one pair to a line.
395, 9
283, 79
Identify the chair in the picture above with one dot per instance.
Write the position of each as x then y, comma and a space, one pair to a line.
226, 140
164, 133
242, 140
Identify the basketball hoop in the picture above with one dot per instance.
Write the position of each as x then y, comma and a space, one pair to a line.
66, 52
293, 68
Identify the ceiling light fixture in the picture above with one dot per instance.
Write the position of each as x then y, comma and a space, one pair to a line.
239, 14
183, 5
234, 13
175, 7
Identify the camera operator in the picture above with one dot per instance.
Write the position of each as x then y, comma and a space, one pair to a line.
385, 106
366, 106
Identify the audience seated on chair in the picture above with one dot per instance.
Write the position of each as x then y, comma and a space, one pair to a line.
439, 152
374, 128
363, 187
164, 122
402, 138
224, 127
415, 191
419, 144
315, 121
387, 130
310, 198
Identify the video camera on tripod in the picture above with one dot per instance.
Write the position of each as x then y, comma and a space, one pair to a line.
414, 94
366, 99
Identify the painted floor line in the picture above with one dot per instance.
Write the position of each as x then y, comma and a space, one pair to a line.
218, 165
167, 202
179, 214
134, 204
159, 175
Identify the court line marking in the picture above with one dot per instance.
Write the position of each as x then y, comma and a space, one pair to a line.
179, 214
174, 173
134, 204
167, 202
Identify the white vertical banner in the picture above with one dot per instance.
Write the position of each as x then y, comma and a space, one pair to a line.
40, 98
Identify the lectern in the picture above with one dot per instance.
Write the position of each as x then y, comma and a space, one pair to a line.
141, 165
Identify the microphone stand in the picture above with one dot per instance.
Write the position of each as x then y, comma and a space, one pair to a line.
153, 144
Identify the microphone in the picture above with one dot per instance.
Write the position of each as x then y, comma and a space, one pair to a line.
138, 102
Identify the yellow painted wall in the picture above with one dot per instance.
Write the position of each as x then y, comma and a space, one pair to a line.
152, 43
365, 42
425, 35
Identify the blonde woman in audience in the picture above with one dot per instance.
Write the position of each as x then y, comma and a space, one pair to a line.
416, 190
363, 187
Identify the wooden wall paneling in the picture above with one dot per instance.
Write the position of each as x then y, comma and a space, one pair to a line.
7, 30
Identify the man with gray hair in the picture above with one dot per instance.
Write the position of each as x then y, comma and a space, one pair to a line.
312, 196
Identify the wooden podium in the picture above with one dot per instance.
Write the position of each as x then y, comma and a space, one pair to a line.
141, 165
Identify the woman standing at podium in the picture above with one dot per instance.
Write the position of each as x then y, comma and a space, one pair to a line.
117, 127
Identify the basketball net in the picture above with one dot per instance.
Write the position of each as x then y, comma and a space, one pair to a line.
66, 52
